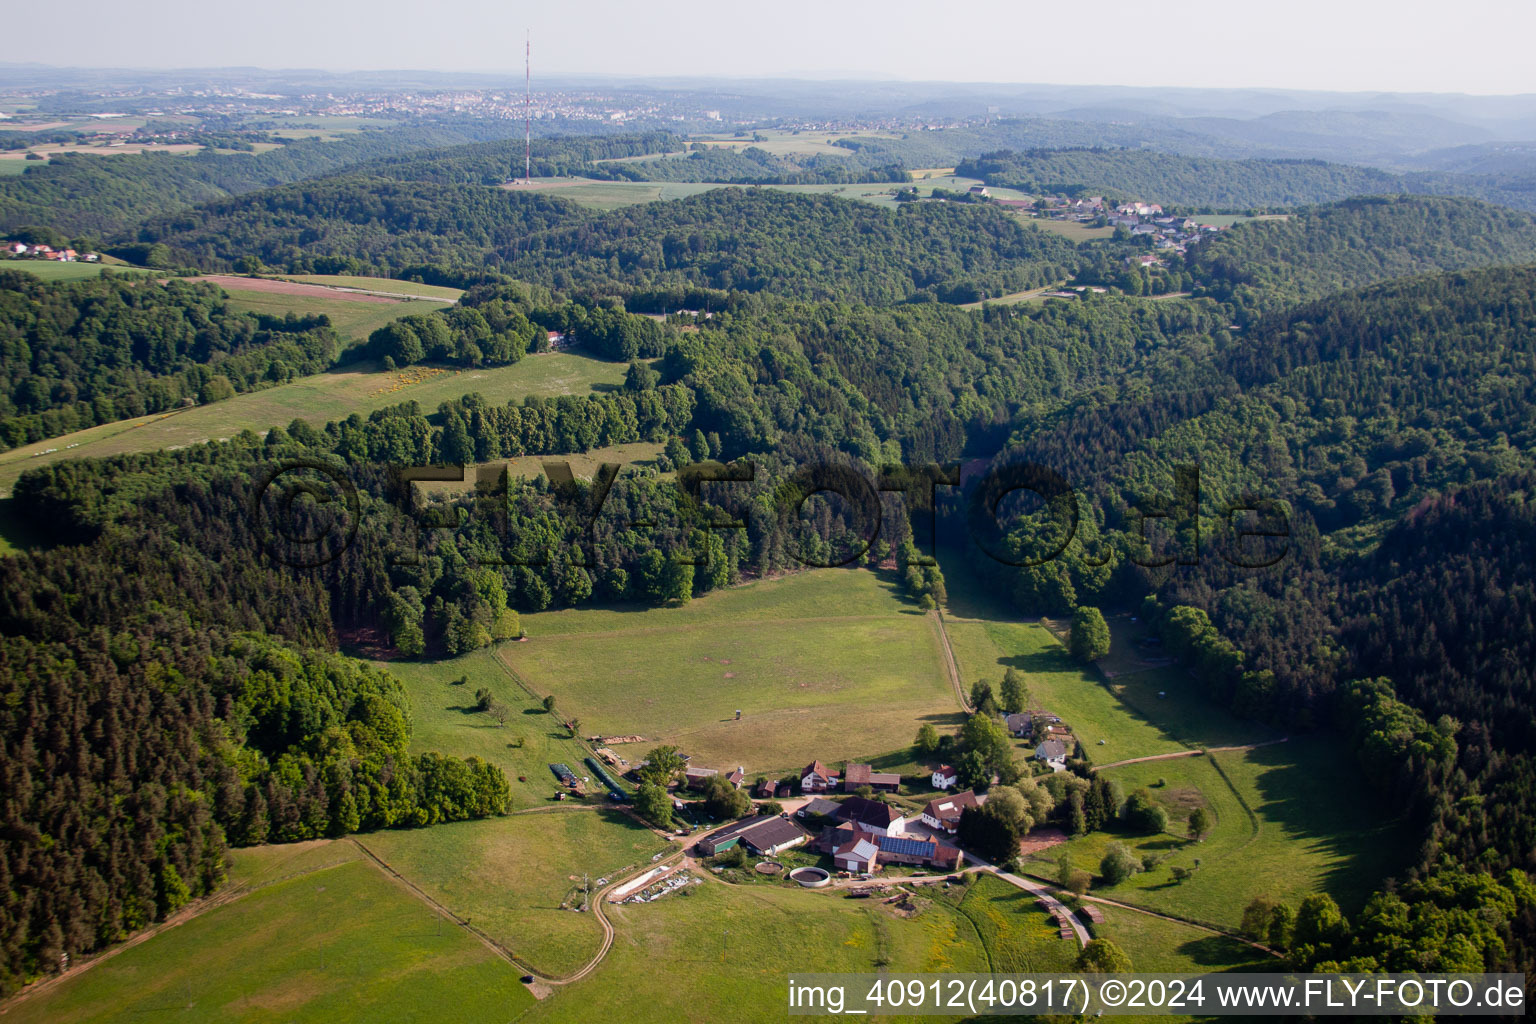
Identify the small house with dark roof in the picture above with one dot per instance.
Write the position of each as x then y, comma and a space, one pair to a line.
872, 815
943, 813
1019, 724
945, 776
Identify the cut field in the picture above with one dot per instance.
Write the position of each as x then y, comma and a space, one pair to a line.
717, 952
378, 284
323, 936
830, 664
358, 388
510, 876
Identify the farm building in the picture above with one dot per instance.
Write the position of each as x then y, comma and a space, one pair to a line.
817, 778
764, 835
694, 778
858, 854
865, 775
1019, 724
871, 815
944, 812
854, 849
819, 806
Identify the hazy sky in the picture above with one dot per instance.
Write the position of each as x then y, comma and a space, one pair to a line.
1479, 46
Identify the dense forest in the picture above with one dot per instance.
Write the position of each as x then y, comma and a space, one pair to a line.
1186, 182
84, 195
73, 355
749, 240
1262, 264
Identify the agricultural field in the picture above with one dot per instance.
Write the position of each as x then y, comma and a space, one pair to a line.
1290, 819
353, 314
378, 284
50, 271
360, 388
726, 951
802, 657
316, 933
1019, 937
510, 876
443, 718
611, 195
1072, 230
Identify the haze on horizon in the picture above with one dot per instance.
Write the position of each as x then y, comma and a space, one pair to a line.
1478, 47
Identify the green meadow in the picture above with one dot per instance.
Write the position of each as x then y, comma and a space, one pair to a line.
510, 876
317, 934
830, 664
359, 388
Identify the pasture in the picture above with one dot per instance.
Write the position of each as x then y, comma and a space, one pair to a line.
831, 664
359, 388
1290, 819
509, 876
49, 271
443, 718
716, 952
355, 316
322, 935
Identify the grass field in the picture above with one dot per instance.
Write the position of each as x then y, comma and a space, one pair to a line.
1020, 938
829, 664
325, 937
49, 271
1290, 820
443, 719
1162, 946
377, 284
358, 388
509, 876
353, 320
1072, 230
722, 953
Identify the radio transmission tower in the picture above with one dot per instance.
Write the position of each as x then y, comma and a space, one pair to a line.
528, 110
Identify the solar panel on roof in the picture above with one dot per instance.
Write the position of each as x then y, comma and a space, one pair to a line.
905, 847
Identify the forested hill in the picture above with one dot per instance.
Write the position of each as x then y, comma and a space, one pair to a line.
750, 240
94, 195
1198, 182
816, 247
355, 224
87, 194
1394, 424
76, 354
1267, 264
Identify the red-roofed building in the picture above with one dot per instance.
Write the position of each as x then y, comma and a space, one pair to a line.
817, 778
865, 775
